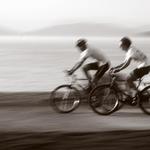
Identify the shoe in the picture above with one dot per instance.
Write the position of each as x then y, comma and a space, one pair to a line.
130, 101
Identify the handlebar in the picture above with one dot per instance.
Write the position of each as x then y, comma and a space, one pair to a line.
74, 77
112, 74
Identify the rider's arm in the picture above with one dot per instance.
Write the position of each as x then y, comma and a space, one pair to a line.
125, 64
83, 56
119, 66
77, 65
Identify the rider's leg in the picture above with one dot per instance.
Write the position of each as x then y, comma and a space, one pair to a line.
134, 75
87, 68
131, 87
100, 72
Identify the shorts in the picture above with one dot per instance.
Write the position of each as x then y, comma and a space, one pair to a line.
139, 72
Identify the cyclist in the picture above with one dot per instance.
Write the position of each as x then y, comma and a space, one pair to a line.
101, 64
133, 54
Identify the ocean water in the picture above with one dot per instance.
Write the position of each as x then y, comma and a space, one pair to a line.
37, 63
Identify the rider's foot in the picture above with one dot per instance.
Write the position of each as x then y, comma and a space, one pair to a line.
131, 101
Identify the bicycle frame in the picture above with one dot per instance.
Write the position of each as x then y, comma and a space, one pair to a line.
115, 86
74, 82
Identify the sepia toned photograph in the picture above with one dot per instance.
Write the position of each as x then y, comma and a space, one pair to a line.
74, 74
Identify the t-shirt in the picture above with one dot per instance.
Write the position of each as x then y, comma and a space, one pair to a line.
138, 56
95, 54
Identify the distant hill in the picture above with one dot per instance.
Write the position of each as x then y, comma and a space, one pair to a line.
6, 31
84, 29
145, 34
80, 29
143, 31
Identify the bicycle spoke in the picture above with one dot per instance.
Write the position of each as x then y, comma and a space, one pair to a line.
103, 100
145, 101
65, 98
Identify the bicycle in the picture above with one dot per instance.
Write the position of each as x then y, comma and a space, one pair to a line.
67, 97
103, 93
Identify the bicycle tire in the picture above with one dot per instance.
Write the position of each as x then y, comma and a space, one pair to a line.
144, 102
65, 101
100, 104
120, 104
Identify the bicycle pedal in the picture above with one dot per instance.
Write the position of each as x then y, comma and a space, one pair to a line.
133, 103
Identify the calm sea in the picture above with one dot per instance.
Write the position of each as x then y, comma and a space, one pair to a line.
37, 63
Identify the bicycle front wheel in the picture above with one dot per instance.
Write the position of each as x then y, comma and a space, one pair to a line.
65, 99
144, 102
103, 100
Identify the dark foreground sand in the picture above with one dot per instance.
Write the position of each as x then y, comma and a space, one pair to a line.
122, 140
108, 140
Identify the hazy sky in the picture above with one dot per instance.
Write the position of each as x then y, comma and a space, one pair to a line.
33, 14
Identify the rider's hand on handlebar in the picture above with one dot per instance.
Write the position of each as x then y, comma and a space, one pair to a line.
113, 71
68, 72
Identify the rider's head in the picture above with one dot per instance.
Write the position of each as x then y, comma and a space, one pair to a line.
81, 44
125, 43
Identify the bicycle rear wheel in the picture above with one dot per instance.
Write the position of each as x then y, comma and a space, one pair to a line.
65, 99
144, 102
103, 100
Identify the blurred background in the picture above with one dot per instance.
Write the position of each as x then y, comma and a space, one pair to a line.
37, 43
37, 38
